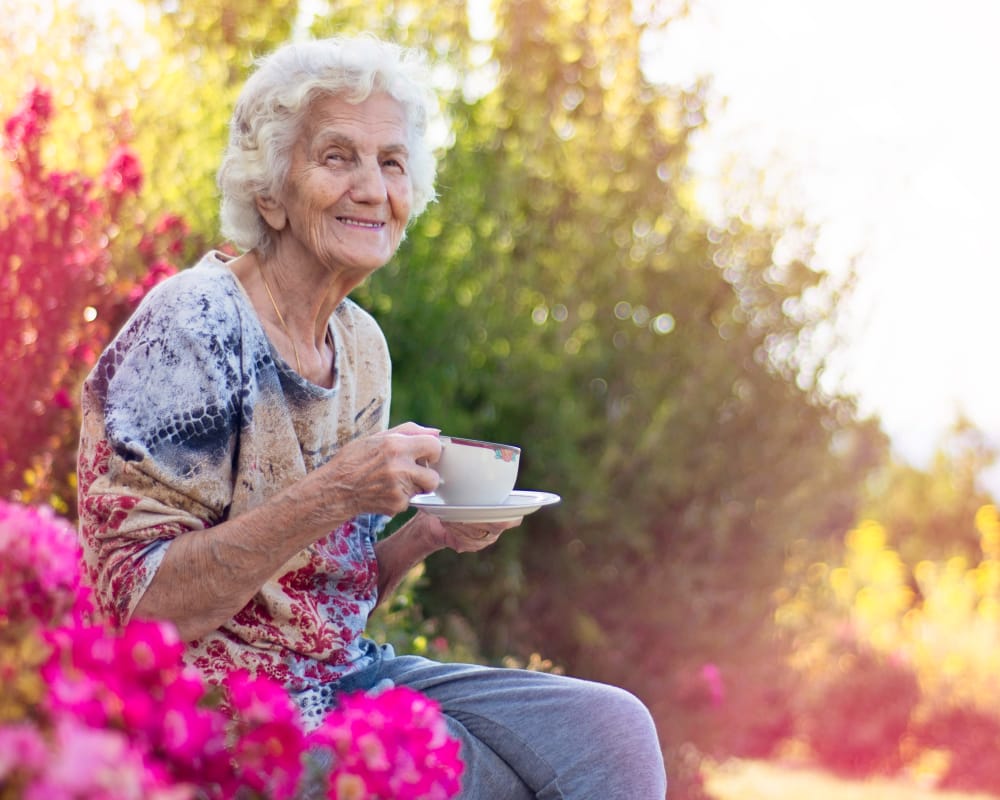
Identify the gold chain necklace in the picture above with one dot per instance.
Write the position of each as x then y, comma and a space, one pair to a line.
281, 319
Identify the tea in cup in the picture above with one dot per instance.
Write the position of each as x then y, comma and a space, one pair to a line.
475, 473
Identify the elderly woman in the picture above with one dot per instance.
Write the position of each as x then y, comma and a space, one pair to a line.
235, 463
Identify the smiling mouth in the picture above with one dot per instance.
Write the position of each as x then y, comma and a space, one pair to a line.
361, 223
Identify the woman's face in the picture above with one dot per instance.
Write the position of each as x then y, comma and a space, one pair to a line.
348, 195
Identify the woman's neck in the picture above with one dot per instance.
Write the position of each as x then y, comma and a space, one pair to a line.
294, 308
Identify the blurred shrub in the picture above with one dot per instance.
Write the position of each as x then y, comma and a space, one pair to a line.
686, 774
972, 739
402, 622
890, 651
75, 259
854, 717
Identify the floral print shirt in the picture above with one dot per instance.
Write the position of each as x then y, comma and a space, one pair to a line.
190, 417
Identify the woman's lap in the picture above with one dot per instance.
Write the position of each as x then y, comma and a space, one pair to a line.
530, 734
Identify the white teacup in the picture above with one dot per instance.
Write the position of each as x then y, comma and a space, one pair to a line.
475, 473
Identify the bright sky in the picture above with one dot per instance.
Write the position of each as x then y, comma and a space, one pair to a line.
884, 119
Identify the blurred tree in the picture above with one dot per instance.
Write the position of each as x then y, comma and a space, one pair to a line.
931, 511
160, 77
198, 58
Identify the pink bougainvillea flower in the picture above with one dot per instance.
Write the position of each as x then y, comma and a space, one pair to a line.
121, 716
711, 675
134, 681
40, 578
173, 232
28, 123
123, 174
270, 745
94, 764
269, 759
22, 750
148, 648
259, 700
62, 399
158, 271
395, 744
80, 763
77, 673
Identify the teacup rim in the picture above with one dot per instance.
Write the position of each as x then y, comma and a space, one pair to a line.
478, 443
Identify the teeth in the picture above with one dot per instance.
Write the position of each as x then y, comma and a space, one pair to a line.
360, 223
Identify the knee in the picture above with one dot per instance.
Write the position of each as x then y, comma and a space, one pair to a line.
625, 733
626, 718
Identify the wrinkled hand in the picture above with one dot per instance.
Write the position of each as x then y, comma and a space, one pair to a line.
380, 473
467, 537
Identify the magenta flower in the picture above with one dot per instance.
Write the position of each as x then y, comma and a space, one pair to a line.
135, 681
160, 270
62, 399
22, 750
79, 762
118, 715
711, 675
40, 578
28, 123
123, 174
394, 745
91, 764
270, 742
173, 231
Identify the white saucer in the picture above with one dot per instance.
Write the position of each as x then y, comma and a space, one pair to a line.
517, 504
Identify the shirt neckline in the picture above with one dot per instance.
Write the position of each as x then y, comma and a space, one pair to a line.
220, 261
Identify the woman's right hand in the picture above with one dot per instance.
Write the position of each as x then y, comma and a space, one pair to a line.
379, 474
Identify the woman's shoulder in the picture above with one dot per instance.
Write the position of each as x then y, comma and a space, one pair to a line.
209, 277
356, 322
205, 296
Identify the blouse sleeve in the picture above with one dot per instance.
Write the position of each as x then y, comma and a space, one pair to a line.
161, 414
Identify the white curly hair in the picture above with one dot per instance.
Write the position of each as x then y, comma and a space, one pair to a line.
271, 108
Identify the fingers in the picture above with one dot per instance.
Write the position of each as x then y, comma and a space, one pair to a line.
382, 472
410, 428
425, 479
422, 442
408, 459
414, 452
413, 429
469, 537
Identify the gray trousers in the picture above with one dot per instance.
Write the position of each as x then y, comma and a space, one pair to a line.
530, 734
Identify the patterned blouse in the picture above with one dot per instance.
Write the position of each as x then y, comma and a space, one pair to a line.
190, 417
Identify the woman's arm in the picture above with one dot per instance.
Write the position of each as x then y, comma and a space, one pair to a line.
207, 576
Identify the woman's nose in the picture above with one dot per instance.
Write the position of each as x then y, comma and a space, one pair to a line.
369, 183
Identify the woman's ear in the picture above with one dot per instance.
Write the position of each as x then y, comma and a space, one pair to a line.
272, 211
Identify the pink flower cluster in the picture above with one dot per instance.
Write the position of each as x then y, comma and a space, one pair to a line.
70, 273
74, 761
120, 717
393, 746
24, 129
40, 577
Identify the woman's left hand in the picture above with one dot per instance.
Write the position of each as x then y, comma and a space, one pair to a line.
425, 534
467, 537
